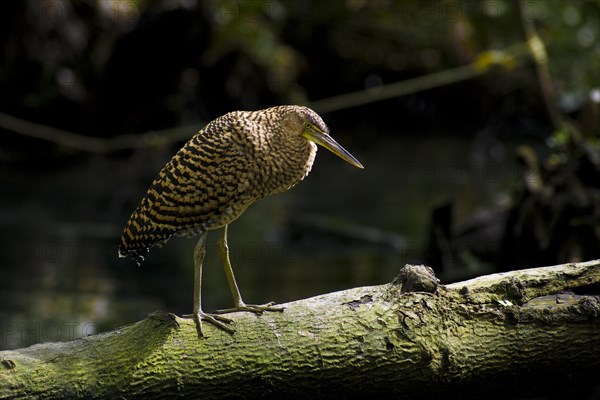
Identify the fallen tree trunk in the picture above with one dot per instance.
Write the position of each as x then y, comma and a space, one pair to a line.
518, 332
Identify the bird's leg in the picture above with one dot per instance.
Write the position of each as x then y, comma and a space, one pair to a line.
198, 314
239, 304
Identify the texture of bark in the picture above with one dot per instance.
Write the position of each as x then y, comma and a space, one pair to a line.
523, 332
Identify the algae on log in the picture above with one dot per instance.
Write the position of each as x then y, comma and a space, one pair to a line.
525, 331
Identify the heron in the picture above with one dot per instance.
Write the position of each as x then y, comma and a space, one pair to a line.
235, 160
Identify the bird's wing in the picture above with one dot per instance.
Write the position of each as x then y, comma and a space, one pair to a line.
203, 186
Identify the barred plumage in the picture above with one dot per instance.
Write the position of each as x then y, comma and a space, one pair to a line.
235, 160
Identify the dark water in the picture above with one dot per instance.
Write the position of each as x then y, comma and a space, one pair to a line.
60, 278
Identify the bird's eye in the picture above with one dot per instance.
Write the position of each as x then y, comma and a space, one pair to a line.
307, 125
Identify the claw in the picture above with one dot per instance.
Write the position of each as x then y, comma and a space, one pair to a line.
217, 320
256, 309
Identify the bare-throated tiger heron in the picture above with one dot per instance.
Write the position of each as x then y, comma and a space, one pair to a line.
234, 161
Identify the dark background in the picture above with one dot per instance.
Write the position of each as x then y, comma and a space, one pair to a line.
470, 177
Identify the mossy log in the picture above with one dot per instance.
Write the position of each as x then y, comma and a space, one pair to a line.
527, 331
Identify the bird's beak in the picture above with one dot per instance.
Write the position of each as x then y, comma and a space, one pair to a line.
321, 138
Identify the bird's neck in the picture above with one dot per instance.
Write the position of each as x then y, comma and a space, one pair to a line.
286, 162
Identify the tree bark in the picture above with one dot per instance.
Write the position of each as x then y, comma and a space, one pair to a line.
527, 332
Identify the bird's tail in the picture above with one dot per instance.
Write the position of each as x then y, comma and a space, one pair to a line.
136, 255
140, 235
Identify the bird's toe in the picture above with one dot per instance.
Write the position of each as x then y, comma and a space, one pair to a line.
217, 320
254, 308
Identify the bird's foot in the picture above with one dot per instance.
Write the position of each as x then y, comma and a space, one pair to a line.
256, 309
214, 319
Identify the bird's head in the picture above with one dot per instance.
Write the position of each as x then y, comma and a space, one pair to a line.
306, 123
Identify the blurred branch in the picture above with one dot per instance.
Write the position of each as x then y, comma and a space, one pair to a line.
95, 145
480, 66
484, 62
396, 89
539, 56
349, 230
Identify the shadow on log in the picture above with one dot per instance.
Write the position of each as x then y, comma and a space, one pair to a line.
527, 332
